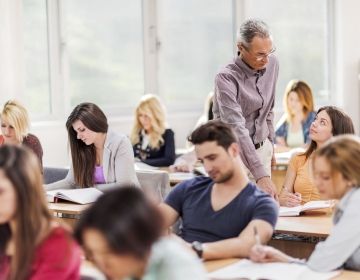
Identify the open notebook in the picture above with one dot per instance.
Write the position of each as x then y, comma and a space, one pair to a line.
81, 196
311, 205
246, 269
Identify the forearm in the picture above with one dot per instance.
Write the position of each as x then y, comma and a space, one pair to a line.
229, 248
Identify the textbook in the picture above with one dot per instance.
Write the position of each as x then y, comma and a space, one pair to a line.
80, 196
311, 205
246, 269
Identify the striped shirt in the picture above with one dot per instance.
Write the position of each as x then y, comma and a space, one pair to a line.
244, 98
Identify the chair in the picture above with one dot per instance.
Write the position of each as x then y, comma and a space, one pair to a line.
154, 183
54, 174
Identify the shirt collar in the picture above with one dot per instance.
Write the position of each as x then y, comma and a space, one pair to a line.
249, 72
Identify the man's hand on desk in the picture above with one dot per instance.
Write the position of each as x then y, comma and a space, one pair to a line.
267, 186
264, 254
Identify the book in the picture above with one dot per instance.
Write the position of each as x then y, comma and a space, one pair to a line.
80, 196
246, 269
311, 205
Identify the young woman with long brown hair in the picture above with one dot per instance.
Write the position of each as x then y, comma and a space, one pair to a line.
101, 158
32, 245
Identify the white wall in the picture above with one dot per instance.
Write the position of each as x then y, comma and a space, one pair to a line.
53, 135
347, 28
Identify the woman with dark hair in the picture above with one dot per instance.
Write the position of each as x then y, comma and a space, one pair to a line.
298, 186
121, 233
101, 158
336, 168
32, 245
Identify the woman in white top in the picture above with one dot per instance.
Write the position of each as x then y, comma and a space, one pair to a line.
293, 128
336, 174
101, 158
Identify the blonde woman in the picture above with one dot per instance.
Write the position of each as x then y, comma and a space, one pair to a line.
15, 126
336, 168
293, 128
152, 142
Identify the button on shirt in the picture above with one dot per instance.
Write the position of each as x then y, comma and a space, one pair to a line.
244, 98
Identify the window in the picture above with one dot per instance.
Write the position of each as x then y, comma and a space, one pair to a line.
104, 51
105, 56
196, 40
37, 95
301, 37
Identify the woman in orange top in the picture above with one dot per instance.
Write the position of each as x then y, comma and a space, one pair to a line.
298, 186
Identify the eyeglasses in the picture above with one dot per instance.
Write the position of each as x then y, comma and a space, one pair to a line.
259, 57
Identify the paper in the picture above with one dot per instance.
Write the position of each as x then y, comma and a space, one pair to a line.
311, 205
81, 196
246, 269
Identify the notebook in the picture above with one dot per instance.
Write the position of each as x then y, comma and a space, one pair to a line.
246, 269
311, 205
80, 196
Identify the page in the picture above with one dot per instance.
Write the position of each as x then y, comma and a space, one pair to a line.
311, 205
317, 204
274, 271
81, 196
289, 211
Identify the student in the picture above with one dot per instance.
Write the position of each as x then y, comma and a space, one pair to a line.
121, 232
219, 212
32, 245
336, 168
152, 142
293, 128
298, 185
187, 161
15, 126
101, 158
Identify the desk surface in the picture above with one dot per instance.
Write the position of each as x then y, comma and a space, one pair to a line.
310, 224
217, 264
68, 208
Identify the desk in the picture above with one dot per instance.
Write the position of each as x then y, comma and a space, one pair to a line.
315, 225
67, 212
217, 264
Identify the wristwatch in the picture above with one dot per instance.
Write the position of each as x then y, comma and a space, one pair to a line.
198, 248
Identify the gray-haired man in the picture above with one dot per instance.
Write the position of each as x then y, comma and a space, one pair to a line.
244, 98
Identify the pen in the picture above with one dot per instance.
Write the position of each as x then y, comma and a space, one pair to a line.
257, 237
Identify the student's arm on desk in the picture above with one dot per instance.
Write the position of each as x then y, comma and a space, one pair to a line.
342, 242
239, 246
67, 183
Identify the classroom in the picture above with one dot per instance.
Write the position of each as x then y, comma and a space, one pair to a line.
179, 139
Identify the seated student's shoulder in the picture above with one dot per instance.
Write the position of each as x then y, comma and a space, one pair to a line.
197, 183
263, 205
168, 132
297, 159
115, 139
58, 249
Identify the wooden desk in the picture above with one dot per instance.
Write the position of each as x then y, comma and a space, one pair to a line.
313, 225
217, 264
67, 212
309, 224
